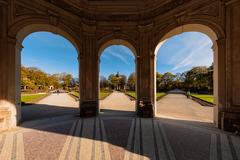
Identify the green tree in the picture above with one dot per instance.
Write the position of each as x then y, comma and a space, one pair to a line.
131, 82
117, 81
159, 81
168, 81
198, 79
103, 82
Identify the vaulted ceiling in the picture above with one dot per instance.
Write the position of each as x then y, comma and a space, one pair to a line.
118, 9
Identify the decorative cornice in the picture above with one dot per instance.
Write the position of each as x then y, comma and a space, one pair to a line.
180, 17
145, 28
15, 42
229, 2
89, 29
53, 18
4, 2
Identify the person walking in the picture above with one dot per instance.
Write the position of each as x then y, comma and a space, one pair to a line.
188, 94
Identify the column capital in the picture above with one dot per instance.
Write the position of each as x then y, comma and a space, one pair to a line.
88, 29
229, 2
3, 2
15, 42
145, 28
221, 41
214, 46
79, 57
152, 55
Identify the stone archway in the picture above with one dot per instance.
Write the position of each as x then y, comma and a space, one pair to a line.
214, 38
124, 43
16, 46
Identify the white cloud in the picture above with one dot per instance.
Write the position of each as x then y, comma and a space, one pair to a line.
119, 52
184, 51
198, 53
121, 57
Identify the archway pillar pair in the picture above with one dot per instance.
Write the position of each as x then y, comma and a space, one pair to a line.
89, 74
145, 72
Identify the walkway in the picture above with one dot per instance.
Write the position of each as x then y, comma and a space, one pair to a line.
178, 106
51, 106
117, 102
68, 137
117, 138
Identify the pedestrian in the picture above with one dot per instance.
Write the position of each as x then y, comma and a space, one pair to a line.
188, 94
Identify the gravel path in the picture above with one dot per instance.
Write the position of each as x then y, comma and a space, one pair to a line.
180, 107
117, 101
53, 105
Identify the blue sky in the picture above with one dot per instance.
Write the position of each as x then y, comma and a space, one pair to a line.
49, 52
54, 54
184, 51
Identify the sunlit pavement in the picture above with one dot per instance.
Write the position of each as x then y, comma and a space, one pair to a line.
178, 106
118, 138
51, 106
68, 137
117, 101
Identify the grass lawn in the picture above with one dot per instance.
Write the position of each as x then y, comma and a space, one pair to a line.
205, 97
133, 94
160, 95
103, 94
31, 98
75, 94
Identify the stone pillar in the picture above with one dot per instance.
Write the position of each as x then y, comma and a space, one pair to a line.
89, 74
215, 82
231, 110
9, 71
10, 66
145, 73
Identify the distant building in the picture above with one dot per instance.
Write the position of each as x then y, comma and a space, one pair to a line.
51, 87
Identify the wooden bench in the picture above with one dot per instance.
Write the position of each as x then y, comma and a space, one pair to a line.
4, 117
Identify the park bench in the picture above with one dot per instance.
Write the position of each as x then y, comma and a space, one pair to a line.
4, 118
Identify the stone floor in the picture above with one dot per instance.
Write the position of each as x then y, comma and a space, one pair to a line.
117, 138
122, 137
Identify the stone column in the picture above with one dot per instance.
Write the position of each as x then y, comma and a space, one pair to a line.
215, 82
10, 66
231, 110
89, 74
145, 73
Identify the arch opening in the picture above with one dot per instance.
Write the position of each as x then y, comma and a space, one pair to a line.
117, 42
117, 80
210, 42
43, 52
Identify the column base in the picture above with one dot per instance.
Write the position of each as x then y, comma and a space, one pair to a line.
89, 108
231, 122
145, 109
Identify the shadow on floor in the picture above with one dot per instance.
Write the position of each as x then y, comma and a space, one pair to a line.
42, 111
117, 126
110, 112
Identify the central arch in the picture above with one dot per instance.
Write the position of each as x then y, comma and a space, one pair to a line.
120, 42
